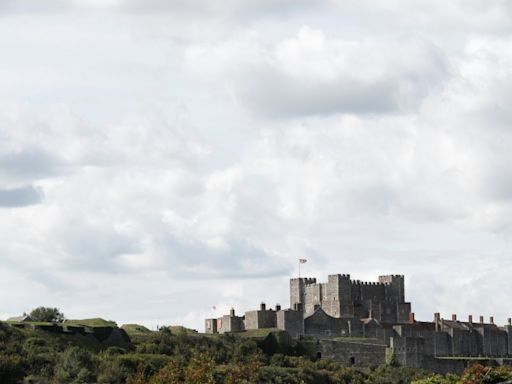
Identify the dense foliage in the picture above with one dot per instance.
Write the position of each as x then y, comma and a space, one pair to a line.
47, 314
179, 356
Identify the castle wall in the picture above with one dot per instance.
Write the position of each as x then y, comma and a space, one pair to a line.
260, 319
443, 366
508, 330
395, 287
494, 341
353, 354
312, 297
388, 312
408, 351
291, 321
464, 343
371, 329
402, 312
320, 324
376, 292
230, 323
441, 345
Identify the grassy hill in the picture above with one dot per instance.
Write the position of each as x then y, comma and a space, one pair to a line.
178, 329
94, 322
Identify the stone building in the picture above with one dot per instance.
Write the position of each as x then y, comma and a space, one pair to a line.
336, 312
342, 297
262, 318
225, 324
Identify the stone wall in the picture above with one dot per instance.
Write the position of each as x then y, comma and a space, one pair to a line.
291, 321
230, 323
408, 351
260, 319
443, 366
352, 353
320, 324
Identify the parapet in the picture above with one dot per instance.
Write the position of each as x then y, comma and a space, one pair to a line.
305, 280
375, 283
390, 278
344, 276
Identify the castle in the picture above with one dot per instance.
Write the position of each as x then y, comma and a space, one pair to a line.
365, 323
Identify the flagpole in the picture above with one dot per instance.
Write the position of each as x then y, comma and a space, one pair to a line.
301, 261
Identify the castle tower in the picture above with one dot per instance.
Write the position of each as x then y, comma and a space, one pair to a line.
395, 309
395, 289
297, 290
337, 301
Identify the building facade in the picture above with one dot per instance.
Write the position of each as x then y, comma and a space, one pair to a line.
377, 311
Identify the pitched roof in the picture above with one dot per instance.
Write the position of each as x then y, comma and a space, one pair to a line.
20, 319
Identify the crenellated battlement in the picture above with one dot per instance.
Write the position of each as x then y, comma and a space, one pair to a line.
341, 296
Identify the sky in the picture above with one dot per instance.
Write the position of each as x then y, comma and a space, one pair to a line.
162, 158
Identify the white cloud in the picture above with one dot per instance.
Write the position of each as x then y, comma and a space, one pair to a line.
150, 151
312, 74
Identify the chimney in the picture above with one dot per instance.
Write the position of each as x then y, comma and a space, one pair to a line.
437, 317
481, 319
262, 306
411, 318
370, 313
454, 317
278, 307
491, 319
232, 312
470, 319
509, 321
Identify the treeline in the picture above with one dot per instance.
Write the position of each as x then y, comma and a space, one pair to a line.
165, 356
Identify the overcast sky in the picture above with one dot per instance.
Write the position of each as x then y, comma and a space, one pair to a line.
158, 158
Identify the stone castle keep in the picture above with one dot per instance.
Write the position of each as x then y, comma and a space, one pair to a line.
363, 323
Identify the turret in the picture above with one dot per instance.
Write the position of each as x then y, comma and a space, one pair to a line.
395, 288
297, 288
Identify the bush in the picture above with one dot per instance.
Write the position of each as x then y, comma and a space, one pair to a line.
75, 367
200, 370
12, 369
35, 345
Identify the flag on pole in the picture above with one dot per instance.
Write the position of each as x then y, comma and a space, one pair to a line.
302, 261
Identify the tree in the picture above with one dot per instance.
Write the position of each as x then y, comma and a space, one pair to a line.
47, 314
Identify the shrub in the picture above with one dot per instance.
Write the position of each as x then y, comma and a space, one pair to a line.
75, 367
